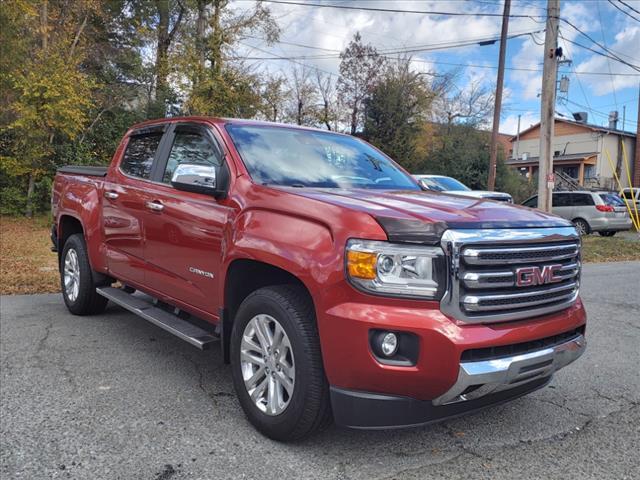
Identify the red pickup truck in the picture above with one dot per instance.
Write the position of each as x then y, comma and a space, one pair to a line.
338, 289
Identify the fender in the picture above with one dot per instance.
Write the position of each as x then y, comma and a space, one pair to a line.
80, 199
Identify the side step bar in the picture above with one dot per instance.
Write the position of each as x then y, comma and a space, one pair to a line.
173, 324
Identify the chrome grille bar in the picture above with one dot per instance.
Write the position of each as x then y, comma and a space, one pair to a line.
483, 266
497, 279
508, 301
501, 256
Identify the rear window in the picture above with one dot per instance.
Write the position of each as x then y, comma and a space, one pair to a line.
138, 157
611, 199
581, 199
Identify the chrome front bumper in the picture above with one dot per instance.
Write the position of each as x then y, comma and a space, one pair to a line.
479, 378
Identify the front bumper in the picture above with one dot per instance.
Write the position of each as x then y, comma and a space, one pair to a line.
480, 384
480, 378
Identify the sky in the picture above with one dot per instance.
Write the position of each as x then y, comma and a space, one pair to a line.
597, 85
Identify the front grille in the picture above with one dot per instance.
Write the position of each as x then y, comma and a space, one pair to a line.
484, 267
502, 351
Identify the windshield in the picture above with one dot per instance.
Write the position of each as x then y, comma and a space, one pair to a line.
442, 184
305, 158
612, 200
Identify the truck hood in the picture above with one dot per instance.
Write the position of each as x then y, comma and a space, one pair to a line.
449, 211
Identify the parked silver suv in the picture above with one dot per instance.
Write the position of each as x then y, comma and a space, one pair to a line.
602, 212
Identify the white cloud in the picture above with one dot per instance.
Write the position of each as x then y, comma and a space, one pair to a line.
510, 123
626, 46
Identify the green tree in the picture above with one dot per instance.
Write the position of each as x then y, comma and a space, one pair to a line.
219, 84
395, 112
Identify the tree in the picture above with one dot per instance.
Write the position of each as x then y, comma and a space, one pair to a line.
328, 111
396, 110
50, 93
472, 104
274, 93
219, 82
303, 97
360, 66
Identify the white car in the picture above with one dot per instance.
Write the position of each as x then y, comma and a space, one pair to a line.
440, 183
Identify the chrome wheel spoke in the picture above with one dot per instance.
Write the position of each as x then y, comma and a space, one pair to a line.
259, 390
286, 382
252, 381
253, 359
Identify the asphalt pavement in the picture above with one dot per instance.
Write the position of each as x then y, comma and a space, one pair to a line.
114, 397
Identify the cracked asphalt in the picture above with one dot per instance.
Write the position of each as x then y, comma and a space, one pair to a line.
113, 397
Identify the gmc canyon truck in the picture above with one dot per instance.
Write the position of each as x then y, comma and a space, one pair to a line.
337, 288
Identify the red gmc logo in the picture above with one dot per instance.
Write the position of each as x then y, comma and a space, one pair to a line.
530, 276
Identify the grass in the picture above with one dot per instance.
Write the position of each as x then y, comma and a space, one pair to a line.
610, 249
27, 264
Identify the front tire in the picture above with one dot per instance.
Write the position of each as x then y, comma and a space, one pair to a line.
277, 365
76, 279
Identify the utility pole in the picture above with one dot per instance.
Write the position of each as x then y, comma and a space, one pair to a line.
517, 152
546, 177
493, 150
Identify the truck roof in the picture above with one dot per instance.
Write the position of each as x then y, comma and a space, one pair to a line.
223, 121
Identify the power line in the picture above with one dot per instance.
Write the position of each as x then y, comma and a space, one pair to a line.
624, 11
629, 6
635, 67
392, 10
614, 55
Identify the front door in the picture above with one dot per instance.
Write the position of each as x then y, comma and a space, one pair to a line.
184, 230
123, 207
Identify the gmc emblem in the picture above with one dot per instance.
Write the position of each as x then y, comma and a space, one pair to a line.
530, 276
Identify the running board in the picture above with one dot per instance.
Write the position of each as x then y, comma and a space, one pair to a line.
173, 324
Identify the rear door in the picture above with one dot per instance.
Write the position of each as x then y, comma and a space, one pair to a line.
184, 230
123, 207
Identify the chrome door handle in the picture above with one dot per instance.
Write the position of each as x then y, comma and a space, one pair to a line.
155, 206
110, 195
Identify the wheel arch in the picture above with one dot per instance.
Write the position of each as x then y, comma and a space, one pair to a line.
67, 225
243, 277
589, 229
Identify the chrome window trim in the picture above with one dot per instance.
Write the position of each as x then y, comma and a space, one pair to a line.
454, 240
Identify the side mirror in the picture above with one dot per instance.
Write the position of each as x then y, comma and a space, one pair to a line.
196, 178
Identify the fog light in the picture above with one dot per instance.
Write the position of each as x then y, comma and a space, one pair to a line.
389, 344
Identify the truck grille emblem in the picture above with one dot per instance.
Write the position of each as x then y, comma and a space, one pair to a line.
531, 276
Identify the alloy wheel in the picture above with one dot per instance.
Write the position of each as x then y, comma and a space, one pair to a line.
71, 275
267, 364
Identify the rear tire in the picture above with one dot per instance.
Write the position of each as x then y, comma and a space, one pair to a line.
582, 227
607, 233
77, 279
306, 409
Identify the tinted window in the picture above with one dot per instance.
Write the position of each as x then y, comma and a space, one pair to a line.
561, 200
582, 199
308, 158
611, 199
628, 194
190, 148
531, 203
138, 157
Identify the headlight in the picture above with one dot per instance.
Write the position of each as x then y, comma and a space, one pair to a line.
396, 269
